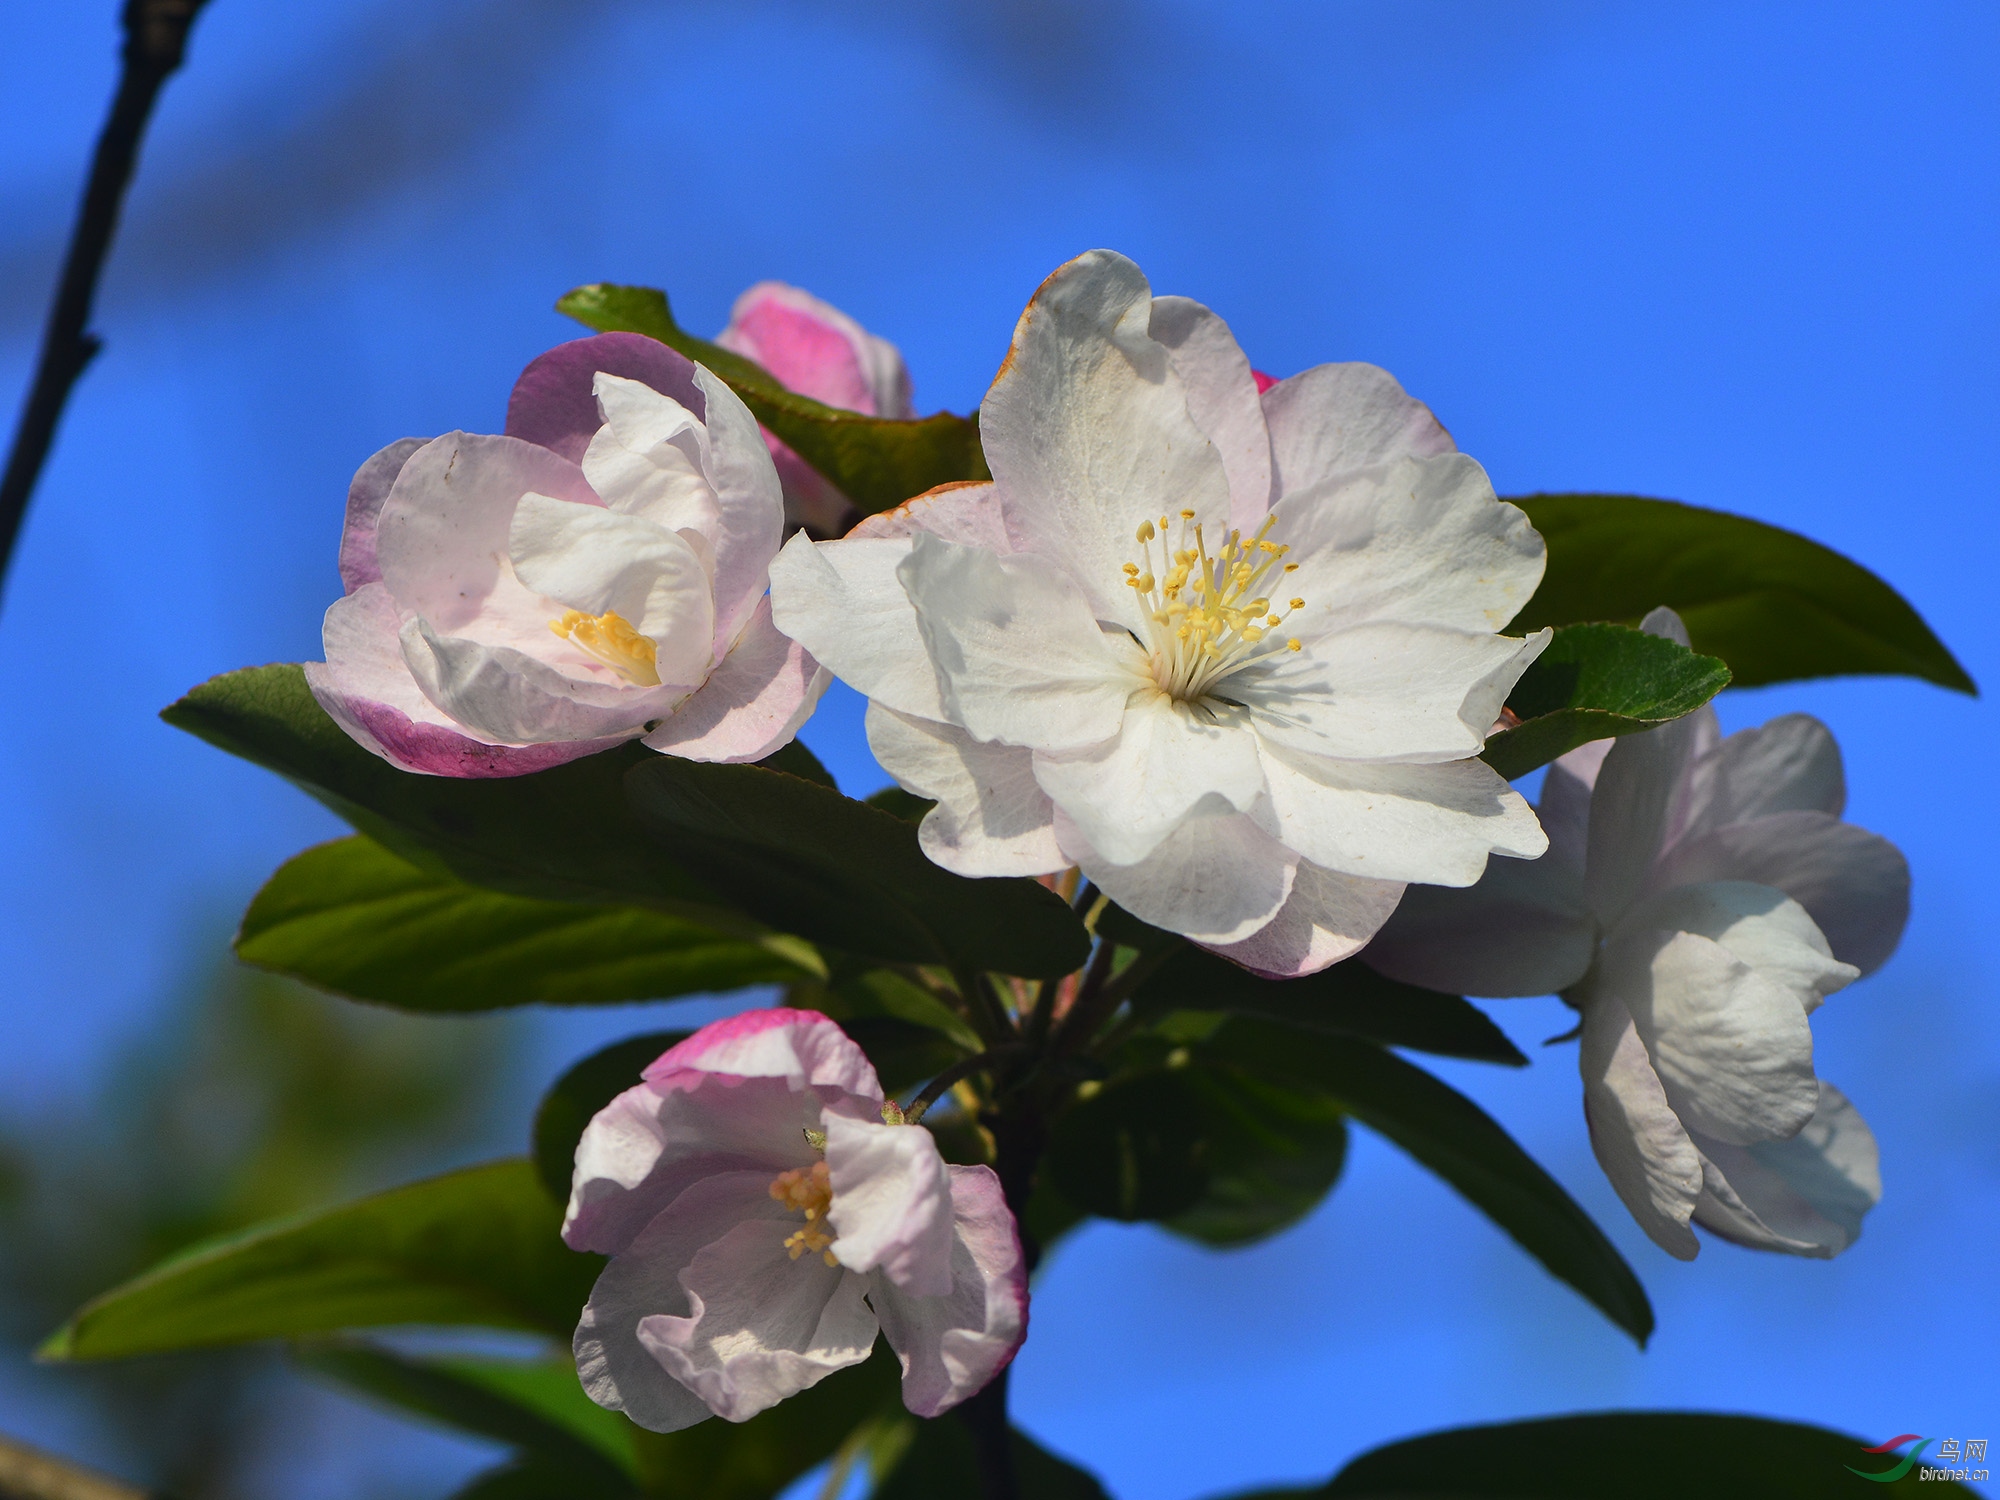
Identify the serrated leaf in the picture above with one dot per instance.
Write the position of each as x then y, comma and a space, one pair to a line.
353, 918
1773, 605
536, 1406
1459, 1141
479, 1246
940, 1461
1594, 682
1347, 999
878, 462
844, 874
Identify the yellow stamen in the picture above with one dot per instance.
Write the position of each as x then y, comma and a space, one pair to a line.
810, 1191
610, 638
1206, 616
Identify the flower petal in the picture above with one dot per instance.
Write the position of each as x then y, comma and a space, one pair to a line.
554, 403
518, 699
1424, 542
1790, 764
891, 1203
845, 604
760, 1325
1018, 655
1333, 421
1430, 823
952, 1345
1759, 925
992, 817
1326, 918
370, 487
753, 702
1640, 789
752, 521
646, 459
1639, 1140
616, 1369
1217, 878
1806, 1195
1087, 430
1387, 691
1222, 399
1564, 808
1855, 885
966, 511
814, 348
1524, 929
802, 1047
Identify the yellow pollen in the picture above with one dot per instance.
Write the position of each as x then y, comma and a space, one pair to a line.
1292, 644
810, 1191
610, 639
1206, 618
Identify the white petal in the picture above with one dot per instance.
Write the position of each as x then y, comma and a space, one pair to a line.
1386, 691
646, 459
952, 1345
1759, 925
1789, 765
1638, 1138
1524, 929
514, 698
891, 1203
616, 1369
1222, 399
1333, 421
752, 703
1420, 541
751, 502
1168, 760
992, 817
1564, 808
1855, 885
964, 511
844, 603
760, 1326
1087, 431
1327, 917
1807, 1195
1216, 879
1639, 789
1018, 654
1430, 823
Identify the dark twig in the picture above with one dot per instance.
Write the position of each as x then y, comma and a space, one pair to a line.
935, 1089
155, 40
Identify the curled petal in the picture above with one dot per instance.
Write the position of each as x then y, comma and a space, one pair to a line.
802, 1047
752, 704
1217, 878
554, 404
1790, 764
814, 348
1639, 1140
1327, 917
845, 604
952, 1345
992, 817
891, 1203
1806, 1195
371, 486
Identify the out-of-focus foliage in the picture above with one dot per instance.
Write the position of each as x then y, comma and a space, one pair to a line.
253, 1098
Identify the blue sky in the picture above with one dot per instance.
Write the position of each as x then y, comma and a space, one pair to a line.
1736, 254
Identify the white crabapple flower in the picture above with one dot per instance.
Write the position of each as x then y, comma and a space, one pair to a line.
817, 350
763, 1222
596, 574
1234, 656
1700, 898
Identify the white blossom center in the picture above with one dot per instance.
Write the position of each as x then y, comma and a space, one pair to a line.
1205, 615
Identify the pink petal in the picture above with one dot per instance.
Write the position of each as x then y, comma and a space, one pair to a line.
371, 485
752, 704
951, 1346
966, 511
817, 350
802, 1047
891, 1203
553, 403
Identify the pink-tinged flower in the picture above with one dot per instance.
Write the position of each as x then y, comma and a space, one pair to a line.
763, 1223
1700, 898
817, 350
595, 575
1233, 655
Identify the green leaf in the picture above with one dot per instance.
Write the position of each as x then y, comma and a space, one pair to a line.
478, 1246
1772, 604
1596, 681
878, 462
757, 1459
1212, 1152
1456, 1139
940, 1462
563, 834
1635, 1455
579, 1094
842, 873
882, 992
532, 1479
353, 918
1348, 999
536, 1406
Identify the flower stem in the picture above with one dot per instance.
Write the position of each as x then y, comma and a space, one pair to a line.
935, 1089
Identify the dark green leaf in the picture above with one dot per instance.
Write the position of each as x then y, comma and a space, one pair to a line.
794, 759
353, 918
479, 1246
882, 992
536, 1406
1349, 999
757, 1459
1772, 604
898, 803
904, 1053
1214, 1153
580, 1093
1456, 1139
878, 462
1596, 681
1635, 1455
940, 1463
563, 834
840, 872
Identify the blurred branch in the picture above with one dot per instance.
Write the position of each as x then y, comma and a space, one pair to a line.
155, 41
28, 1474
